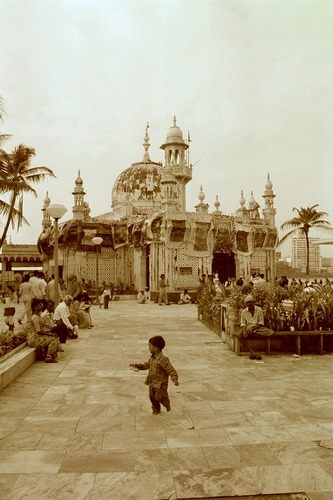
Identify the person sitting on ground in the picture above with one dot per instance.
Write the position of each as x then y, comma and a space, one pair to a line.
48, 323
79, 314
184, 298
38, 336
74, 288
61, 316
142, 297
252, 323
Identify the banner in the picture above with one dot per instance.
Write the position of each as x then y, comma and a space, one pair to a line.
243, 239
120, 235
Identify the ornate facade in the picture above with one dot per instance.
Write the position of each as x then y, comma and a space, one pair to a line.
149, 232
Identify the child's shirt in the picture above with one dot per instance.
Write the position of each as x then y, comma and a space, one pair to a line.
160, 369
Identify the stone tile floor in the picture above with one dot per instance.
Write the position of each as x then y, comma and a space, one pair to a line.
83, 428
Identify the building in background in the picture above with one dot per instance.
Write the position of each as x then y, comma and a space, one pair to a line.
149, 230
327, 264
298, 254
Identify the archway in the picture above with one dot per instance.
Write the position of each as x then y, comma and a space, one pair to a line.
224, 265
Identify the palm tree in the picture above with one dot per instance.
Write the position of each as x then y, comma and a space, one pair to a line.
16, 177
2, 108
301, 224
3, 137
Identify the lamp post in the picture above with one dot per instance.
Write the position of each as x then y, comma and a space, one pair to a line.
56, 212
97, 241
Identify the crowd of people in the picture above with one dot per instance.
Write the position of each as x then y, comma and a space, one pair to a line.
48, 325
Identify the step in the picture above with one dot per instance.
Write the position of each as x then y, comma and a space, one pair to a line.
16, 363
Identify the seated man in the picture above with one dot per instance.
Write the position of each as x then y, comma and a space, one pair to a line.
184, 298
48, 322
252, 323
143, 297
62, 315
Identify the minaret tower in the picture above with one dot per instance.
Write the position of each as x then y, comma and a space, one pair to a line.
169, 198
176, 161
79, 208
269, 211
146, 145
46, 222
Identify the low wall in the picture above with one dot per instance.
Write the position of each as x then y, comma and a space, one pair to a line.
173, 296
312, 342
16, 363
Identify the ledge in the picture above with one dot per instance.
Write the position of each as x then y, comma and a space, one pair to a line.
17, 363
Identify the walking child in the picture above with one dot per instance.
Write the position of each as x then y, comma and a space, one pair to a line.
157, 379
9, 310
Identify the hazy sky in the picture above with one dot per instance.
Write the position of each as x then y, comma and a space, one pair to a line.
251, 79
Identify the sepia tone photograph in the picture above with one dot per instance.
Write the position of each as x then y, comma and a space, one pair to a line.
166, 229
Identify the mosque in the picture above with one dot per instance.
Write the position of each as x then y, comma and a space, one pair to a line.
149, 232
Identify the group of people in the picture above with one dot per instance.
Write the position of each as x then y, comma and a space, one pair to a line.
143, 296
50, 327
36, 288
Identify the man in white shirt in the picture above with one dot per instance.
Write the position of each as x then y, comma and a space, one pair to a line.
252, 323
37, 289
61, 315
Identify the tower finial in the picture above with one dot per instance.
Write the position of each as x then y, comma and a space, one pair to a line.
146, 145
217, 204
174, 121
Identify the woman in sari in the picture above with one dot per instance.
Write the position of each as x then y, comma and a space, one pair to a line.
39, 337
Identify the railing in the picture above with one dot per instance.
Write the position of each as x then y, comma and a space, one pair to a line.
224, 325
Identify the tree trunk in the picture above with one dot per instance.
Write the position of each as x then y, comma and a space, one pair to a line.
9, 219
307, 255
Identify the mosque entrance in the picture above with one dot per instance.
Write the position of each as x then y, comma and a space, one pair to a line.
224, 265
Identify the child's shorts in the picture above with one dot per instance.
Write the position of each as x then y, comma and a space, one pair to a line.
9, 311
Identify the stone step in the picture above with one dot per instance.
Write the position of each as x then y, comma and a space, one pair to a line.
15, 364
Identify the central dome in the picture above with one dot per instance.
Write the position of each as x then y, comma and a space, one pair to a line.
140, 184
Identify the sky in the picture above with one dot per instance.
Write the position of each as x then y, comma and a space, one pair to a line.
250, 79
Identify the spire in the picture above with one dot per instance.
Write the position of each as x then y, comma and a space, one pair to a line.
146, 157
174, 121
78, 193
269, 210
202, 207
242, 200
46, 222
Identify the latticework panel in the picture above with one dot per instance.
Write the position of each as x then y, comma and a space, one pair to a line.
259, 261
186, 270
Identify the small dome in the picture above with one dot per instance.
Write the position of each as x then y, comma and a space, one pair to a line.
47, 200
79, 181
269, 184
174, 134
201, 195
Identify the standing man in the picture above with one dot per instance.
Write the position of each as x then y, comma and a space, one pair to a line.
50, 287
163, 297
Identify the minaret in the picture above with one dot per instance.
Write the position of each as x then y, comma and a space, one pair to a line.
169, 194
146, 145
269, 211
46, 222
176, 162
202, 207
253, 208
217, 205
79, 208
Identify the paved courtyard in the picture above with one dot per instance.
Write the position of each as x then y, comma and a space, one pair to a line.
83, 428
